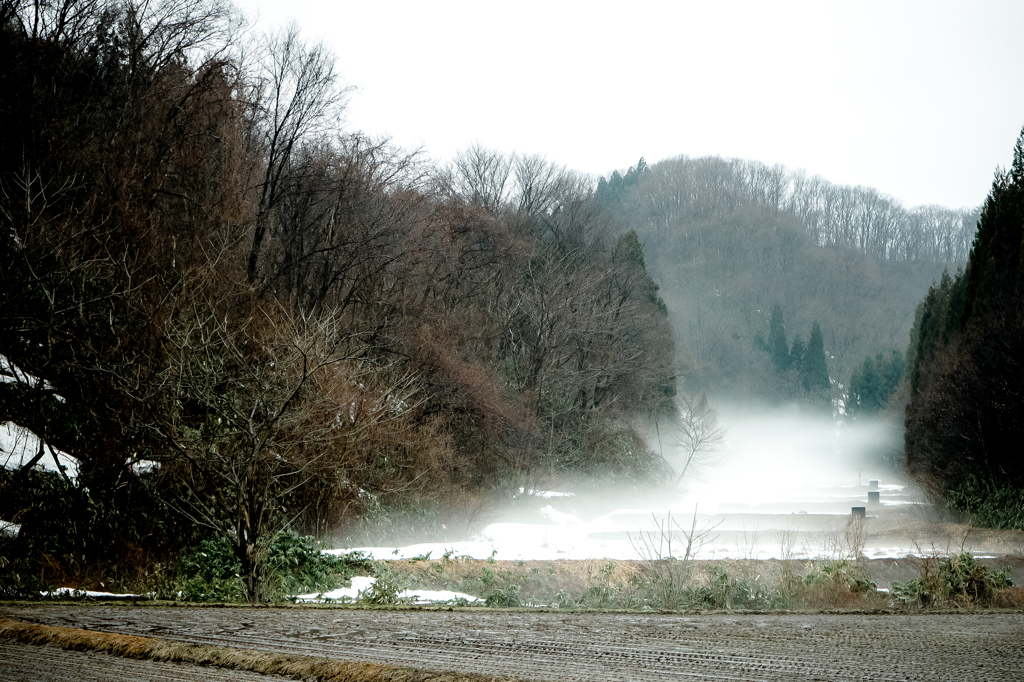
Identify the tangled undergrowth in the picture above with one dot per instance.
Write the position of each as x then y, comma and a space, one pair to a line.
958, 580
210, 573
672, 585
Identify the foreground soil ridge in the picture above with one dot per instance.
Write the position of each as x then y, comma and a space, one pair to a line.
555, 645
286, 665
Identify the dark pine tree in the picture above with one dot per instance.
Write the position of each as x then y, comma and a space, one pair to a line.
866, 389
777, 346
964, 422
612, 191
813, 367
797, 352
890, 370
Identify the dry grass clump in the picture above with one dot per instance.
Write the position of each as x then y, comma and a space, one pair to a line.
1009, 598
288, 665
539, 581
434, 572
842, 582
603, 572
835, 595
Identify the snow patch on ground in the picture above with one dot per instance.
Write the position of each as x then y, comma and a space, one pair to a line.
75, 593
18, 446
546, 494
555, 516
361, 584
428, 550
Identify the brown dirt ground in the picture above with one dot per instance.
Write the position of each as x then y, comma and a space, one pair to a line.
598, 647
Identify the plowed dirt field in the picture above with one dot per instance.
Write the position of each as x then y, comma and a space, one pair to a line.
595, 646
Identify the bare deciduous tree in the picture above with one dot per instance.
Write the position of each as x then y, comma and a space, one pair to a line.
296, 100
671, 567
700, 435
255, 402
481, 176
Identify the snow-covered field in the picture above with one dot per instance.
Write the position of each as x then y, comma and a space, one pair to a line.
361, 584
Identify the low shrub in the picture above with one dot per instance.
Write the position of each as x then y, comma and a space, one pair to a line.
959, 580
725, 592
18, 578
988, 505
386, 588
666, 583
835, 583
843, 573
507, 597
210, 572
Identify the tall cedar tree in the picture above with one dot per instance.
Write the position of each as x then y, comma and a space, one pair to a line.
813, 368
873, 383
964, 424
777, 346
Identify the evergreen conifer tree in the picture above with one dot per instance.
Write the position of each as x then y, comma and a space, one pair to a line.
995, 272
777, 346
873, 383
813, 368
865, 392
966, 400
797, 352
929, 331
890, 370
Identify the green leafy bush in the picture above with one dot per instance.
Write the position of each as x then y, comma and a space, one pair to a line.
841, 572
301, 568
724, 592
17, 577
988, 506
959, 579
212, 573
53, 515
385, 589
506, 597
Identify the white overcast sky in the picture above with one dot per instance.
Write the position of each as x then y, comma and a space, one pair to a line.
920, 99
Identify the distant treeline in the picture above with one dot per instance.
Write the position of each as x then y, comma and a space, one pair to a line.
685, 189
729, 240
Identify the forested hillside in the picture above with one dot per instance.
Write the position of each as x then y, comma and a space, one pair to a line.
301, 327
964, 426
729, 240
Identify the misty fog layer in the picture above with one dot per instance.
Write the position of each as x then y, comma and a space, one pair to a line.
781, 484
775, 460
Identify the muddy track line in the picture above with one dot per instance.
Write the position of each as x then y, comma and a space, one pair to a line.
594, 646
